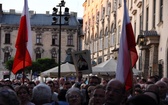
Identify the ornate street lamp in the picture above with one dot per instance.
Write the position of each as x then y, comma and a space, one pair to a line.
66, 22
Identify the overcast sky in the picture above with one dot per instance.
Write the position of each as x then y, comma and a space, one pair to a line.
41, 6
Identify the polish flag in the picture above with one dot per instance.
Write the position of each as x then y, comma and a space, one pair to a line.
127, 52
24, 42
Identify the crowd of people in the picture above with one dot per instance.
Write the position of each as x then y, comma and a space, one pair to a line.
150, 91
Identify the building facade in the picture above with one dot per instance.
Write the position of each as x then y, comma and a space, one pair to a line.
45, 35
102, 23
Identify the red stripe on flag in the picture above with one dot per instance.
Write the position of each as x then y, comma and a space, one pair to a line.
131, 44
22, 57
127, 52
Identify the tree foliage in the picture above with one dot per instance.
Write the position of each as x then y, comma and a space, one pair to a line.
38, 66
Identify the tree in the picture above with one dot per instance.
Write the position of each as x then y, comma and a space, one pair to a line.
9, 64
38, 66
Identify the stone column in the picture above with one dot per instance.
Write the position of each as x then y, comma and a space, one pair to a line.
153, 61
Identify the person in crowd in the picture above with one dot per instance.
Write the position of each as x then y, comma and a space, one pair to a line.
61, 82
141, 99
56, 86
114, 93
94, 80
8, 97
24, 95
54, 94
62, 93
90, 91
152, 88
163, 88
41, 94
152, 79
137, 90
37, 82
74, 96
154, 95
98, 97
30, 86
164, 79
104, 83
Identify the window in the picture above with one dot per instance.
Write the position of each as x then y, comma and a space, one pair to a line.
38, 39
161, 11
102, 12
70, 40
119, 3
100, 43
106, 42
112, 35
53, 53
147, 20
38, 55
119, 33
135, 29
54, 39
6, 56
7, 38
113, 39
154, 13
38, 52
140, 25
99, 60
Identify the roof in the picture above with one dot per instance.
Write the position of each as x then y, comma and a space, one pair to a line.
36, 19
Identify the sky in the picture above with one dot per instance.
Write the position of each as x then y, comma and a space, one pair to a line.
41, 6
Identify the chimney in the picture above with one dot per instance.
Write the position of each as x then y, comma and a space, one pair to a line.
31, 13
74, 14
47, 12
12, 11
1, 10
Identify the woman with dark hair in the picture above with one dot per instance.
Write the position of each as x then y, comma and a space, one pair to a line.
24, 95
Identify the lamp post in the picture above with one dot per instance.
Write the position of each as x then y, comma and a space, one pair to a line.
55, 20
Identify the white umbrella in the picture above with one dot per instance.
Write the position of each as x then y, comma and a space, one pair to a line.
109, 67
65, 69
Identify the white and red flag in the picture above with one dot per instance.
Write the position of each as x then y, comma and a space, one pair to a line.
24, 42
127, 52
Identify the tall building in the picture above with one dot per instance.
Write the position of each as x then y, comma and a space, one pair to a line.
45, 35
102, 23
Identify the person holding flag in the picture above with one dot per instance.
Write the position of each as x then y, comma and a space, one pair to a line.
23, 44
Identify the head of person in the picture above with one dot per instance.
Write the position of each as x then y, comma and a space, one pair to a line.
141, 99
162, 89
164, 79
30, 86
90, 91
67, 85
114, 93
152, 88
51, 85
41, 94
56, 86
94, 80
152, 79
61, 81
137, 89
23, 93
98, 95
74, 96
8, 97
